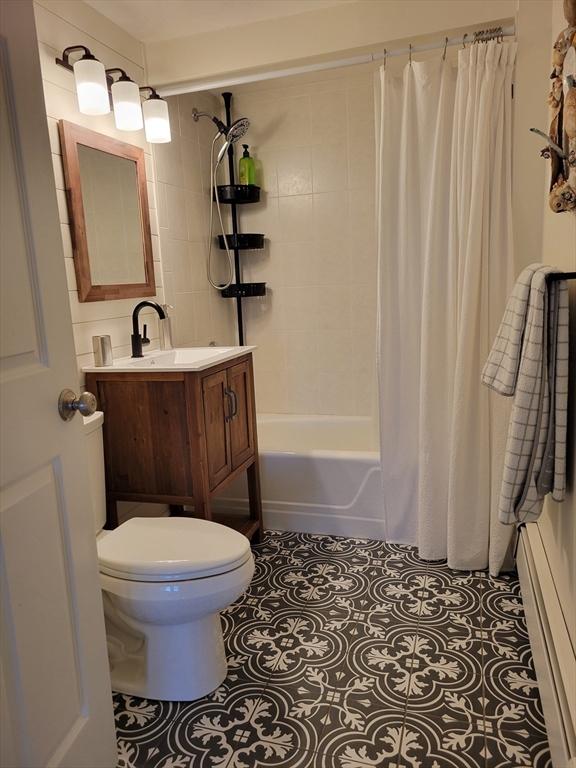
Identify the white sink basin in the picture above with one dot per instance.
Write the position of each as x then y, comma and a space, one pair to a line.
182, 359
177, 358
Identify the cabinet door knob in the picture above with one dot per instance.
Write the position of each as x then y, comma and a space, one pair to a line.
68, 404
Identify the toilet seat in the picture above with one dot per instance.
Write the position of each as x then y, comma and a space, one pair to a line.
171, 549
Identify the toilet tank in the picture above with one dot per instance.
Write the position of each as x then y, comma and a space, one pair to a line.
93, 431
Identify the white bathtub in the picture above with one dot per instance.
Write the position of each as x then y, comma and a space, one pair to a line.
320, 474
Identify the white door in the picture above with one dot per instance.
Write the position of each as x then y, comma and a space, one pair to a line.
55, 696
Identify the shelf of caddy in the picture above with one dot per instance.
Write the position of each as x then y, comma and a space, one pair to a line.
179, 438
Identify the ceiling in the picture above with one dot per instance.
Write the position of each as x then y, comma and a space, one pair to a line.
155, 20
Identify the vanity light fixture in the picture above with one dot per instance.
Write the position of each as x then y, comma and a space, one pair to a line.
156, 118
95, 84
126, 101
90, 78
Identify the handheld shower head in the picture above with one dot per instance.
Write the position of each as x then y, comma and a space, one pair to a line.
233, 134
237, 130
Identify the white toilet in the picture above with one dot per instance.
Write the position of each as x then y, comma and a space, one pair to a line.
164, 582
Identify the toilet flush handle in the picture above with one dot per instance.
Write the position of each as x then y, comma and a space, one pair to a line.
68, 404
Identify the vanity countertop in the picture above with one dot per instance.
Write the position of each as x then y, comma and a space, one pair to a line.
181, 359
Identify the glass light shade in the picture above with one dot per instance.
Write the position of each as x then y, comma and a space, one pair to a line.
156, 121
126, 103
91, 87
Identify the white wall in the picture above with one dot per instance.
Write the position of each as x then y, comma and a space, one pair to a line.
200, 314
313, 140
531, 85
59, 24
557, 524
344, 29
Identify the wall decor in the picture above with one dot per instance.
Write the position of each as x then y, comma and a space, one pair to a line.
562, 102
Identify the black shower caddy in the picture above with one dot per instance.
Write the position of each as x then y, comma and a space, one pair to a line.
233, 194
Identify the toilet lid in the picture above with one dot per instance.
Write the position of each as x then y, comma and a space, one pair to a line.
169, 549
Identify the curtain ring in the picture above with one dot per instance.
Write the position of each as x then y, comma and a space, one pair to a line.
410, 54
445, 46
464, 40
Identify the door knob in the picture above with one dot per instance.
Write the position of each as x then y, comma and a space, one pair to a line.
68, 404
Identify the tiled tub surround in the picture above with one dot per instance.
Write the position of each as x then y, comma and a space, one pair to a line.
348, 653
313, 143
200, 315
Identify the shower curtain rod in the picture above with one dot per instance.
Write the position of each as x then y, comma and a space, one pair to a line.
176, 89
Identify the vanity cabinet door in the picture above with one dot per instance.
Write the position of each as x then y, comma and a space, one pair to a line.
215, 404
242, 423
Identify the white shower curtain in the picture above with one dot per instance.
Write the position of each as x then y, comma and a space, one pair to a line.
445, 268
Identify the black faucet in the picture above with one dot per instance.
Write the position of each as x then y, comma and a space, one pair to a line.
136, 338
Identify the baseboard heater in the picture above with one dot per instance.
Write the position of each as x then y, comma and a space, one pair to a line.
554, 656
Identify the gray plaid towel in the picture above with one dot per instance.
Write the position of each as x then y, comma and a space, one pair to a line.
529, 359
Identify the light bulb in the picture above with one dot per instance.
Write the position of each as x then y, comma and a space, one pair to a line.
91, 87
126, 103
156, 120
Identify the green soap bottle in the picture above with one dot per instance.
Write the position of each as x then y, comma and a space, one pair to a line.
247, 172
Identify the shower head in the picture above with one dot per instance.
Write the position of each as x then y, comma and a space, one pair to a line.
237, 130
233, 134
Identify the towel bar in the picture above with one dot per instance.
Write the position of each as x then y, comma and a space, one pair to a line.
554, 276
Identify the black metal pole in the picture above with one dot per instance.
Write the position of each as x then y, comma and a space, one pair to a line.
227, 96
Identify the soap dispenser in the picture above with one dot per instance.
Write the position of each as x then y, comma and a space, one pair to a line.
247, 172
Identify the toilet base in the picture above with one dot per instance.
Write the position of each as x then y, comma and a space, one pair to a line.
175, 662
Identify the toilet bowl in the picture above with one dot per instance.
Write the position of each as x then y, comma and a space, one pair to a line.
164, 582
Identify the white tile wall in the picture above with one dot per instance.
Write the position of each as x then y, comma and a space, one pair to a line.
313, 142
115, 48
200, 315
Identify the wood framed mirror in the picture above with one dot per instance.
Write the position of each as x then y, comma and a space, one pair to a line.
110, 223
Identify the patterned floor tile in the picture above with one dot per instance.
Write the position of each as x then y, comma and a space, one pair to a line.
512, 695
308, 699
410, 593
514, 747
320, 545
349, 653
410, 554
503, 639
376, 745
140, 725
251, 727
444, 681
444, 601
388, 661
288, 644
260, 602
318, 582
259, 644
432, 743
355, 617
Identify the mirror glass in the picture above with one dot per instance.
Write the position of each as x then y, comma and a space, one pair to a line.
112, 217
107, 197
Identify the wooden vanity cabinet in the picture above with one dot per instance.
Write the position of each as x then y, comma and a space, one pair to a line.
179, 438
229, 430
